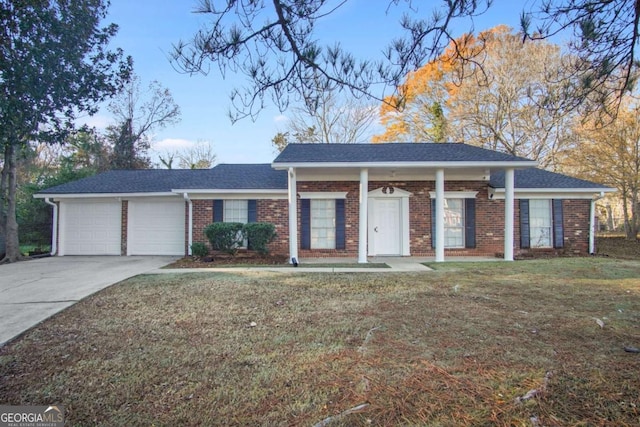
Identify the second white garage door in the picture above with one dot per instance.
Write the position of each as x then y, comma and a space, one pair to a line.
156, 227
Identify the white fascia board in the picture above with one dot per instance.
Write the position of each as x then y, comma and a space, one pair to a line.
323, 195
228, 191
438, 165
233, 194
102, 195
455, 194
550, 193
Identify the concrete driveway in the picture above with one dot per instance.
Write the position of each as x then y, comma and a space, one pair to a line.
32, 291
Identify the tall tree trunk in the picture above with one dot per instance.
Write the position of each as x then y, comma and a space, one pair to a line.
11, 223
625, 211
633, 226
610, 225
4, 181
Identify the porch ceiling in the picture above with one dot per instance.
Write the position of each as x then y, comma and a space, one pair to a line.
386, 173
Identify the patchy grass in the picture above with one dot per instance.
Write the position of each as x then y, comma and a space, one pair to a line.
618, 247
344, 265
457, 346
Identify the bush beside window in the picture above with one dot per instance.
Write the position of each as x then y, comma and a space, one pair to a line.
199, 249
259, 235
229, 236
225, 236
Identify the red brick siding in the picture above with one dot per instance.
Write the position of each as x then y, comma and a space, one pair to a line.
351, 216
576, 225
489, 219
202, 216
273, 211
277, 213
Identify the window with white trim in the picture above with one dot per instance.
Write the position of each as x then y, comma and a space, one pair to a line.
454, 223
540, 223
236, 211
323, 224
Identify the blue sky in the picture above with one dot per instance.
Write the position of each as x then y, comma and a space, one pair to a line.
148, 28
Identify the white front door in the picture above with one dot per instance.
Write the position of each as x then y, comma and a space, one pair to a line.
386, 226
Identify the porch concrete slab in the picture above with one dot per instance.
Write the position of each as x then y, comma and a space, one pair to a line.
32, 291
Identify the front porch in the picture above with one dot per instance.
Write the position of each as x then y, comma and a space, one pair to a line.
403, 217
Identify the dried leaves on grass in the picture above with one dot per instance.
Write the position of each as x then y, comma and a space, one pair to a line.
457, 346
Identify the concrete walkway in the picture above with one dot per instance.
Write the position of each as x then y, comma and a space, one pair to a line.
395, 265
32, 291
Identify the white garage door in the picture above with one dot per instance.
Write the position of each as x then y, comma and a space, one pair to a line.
90, 227
156, 227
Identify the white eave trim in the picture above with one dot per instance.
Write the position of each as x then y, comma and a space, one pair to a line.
228, 191
103, 195
549, 193
437, 165
243, 194
456, 194
323, 195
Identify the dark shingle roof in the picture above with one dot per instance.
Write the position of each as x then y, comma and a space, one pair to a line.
239, 177
391, 152
540, 178
221, 177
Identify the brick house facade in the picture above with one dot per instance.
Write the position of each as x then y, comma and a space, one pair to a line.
481, 203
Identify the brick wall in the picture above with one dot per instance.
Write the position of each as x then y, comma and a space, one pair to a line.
489, 219
576, 226
351, 216
202, 216
273, 211
277, 213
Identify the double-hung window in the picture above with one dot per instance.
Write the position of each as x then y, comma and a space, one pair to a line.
323, 224
236, 211
454, 223
459, 219
322, 220
540, 223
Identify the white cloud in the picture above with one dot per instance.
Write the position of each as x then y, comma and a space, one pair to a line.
98, 121
173, 144
280, 118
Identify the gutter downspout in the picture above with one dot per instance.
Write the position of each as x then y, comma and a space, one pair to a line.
189, 222
54, 233
592, 223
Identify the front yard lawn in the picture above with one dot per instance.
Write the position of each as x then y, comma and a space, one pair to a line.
526, 343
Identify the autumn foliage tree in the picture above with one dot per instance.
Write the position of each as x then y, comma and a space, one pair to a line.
422, 99
506, 96
610, 154
279, 47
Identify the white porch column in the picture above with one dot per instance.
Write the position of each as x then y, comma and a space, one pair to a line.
439, 215
362, 225
592, 227
293, 216
509, 213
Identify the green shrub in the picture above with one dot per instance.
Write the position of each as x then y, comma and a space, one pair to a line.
199, 249
259, 235
225, 236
